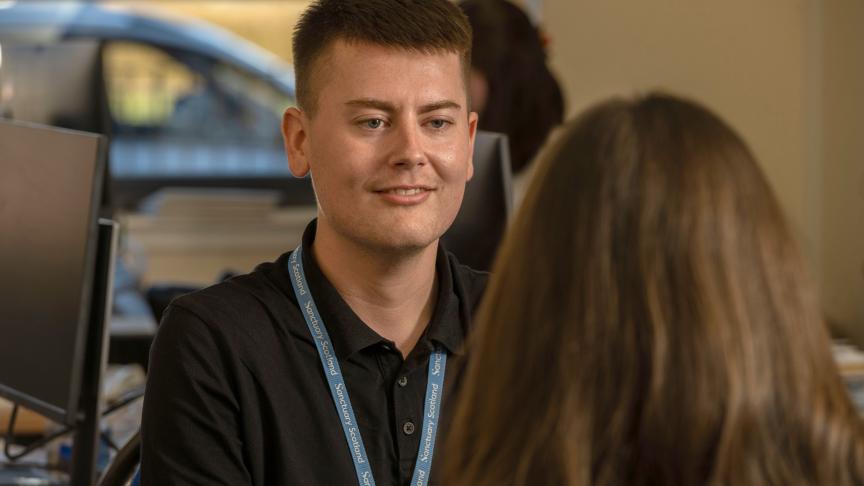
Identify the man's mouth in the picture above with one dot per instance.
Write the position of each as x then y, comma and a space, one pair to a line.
405, 195
402, 191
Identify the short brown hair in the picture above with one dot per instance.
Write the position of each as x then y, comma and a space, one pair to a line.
649, 321
427, 26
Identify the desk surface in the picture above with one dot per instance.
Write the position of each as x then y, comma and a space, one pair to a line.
26, 423
11, 474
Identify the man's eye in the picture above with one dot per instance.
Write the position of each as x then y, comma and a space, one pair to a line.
438, 123
373, 123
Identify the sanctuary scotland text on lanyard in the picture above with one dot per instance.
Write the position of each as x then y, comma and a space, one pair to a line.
339, 392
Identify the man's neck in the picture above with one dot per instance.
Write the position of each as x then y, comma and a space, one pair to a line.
393, 293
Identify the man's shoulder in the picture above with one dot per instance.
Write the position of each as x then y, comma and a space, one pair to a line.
237, 289
247, 298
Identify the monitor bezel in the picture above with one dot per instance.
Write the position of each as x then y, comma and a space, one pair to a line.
71, 413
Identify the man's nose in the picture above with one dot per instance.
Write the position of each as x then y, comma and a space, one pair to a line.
408, 150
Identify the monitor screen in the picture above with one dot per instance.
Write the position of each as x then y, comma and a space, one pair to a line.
50, 181
479, 227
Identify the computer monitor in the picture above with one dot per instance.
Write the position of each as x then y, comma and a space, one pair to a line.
55, 297
50, 186
477, 231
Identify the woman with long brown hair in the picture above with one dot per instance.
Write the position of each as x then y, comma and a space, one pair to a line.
649, 322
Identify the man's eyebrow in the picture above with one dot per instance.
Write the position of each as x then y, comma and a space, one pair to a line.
391, 108
440, 105
372, 103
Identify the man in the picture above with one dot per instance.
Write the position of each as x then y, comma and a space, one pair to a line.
327, 367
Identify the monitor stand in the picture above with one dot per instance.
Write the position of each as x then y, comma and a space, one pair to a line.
86, 439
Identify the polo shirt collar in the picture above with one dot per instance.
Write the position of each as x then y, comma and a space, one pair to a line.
351, 335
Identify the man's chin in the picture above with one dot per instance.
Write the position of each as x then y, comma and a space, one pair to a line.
402, 245
400, 241
394, 238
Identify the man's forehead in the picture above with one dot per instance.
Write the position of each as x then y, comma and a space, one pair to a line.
341, 52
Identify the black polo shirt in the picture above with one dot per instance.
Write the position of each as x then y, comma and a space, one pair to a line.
236, 394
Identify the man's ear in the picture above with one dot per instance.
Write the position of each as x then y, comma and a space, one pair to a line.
472, 135
294, 137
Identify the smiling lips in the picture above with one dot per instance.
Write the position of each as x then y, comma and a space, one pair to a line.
405, 195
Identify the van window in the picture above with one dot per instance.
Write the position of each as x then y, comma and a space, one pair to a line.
179, 114
143, 86
181, 94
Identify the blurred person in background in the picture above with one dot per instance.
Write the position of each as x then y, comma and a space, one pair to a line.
649, 321
512, 88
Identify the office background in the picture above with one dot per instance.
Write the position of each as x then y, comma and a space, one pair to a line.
786, 73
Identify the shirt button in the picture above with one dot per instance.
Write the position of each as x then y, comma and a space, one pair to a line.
408, 427
402, 381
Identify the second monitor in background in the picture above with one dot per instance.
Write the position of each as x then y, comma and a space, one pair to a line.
480, 224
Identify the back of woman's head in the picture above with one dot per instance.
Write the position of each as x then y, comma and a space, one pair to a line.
649, 321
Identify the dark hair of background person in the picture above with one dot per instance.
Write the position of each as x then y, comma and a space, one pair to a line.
649, 322
426, 26
524, 99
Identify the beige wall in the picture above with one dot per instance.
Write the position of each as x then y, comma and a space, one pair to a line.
786, 73
842, 164
744, 59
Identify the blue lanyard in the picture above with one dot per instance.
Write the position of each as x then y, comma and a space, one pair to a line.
339, 392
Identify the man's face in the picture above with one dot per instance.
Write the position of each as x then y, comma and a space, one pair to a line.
389, 145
